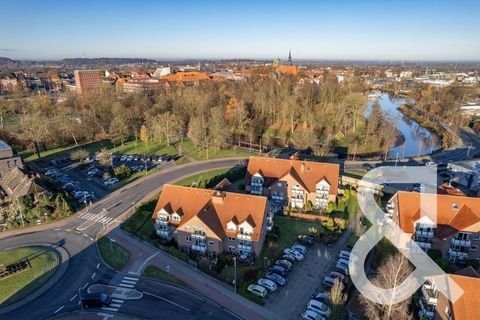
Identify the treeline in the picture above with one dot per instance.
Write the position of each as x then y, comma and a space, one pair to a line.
266, 111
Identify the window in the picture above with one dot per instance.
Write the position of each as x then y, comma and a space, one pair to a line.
175, 217
473, 248
210, 243
455, 205
231, 239
188, 238
448, 313
476, 236
231, 249
462, 236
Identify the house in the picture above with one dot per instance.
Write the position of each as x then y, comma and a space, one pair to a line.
8, 160
17, 183
434, 305
292, 183
211, 221
457, 231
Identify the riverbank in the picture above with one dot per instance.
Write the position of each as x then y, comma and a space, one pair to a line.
413, 115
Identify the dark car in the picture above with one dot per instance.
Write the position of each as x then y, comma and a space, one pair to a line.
289, 258
95, 299
275, 278
304, 239
284, 263
279, 270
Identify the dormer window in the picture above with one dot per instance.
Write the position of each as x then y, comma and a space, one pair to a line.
455, 205
175, 217
231, 226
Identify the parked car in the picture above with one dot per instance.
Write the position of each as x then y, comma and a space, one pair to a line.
341, 269
257, 290
123, 157
279, 270
268, 284
431, 164
342, 262
289, 257
341, 276
110, 181
328, 282
95, 299
310, 314
319, 307
307, 240
284, 263
298, 256
322, 297
347, 256
299, 248
275, 278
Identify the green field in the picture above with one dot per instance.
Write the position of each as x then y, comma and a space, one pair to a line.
187, 182
43, 264
112, 253
156, 273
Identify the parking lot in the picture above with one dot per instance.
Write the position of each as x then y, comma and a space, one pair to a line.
89, 180
306, 279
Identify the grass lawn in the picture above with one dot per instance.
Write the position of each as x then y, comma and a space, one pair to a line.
187, 182
198, 154
112, 253
150, 148
156, 273
65, 151
43, 263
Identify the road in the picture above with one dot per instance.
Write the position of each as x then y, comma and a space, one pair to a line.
77, 235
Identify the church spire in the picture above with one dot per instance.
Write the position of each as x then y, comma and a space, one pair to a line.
290, 57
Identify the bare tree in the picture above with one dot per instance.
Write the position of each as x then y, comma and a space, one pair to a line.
338, 299
79, 154
390, 275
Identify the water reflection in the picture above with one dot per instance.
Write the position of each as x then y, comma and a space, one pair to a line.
417, 140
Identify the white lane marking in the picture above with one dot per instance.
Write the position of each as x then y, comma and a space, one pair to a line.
92, 239
68, 230
85, 235
169, 301
118, 300
105, 315
57, 229
71, 299
129, 282
105, 220
115, 305
131, 272
76, 231
110, 309
86, 284
130, 278
142, 266
59, 309
126, 285
93, 275
98, 265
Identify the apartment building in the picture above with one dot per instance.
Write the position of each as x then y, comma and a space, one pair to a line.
434, 305
88, 80
211, 221
457, 231
140, 86
292, 182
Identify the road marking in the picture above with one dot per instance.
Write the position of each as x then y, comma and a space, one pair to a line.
71, 299
92, 239
98, 265
130, 278
85, 235
142, 266
105, 315
166, 300
59, 309
68, 230
129, 282
57, 229
93, 275
76, 231
86, 284
126, 285
118, 300
131, 272
110, 309
115, 305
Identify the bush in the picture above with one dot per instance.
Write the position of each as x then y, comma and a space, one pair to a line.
330, 224
122, 171
309, 206
250, 275
434, 254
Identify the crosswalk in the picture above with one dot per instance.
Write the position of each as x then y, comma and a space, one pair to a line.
126, 283
115, 305
96, 218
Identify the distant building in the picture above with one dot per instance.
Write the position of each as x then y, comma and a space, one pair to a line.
160, 72
88, 80
8, 161
292, 182
186, 77
143, 86
211, 221
17, 183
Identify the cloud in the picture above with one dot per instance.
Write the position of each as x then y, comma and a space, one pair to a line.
6, 49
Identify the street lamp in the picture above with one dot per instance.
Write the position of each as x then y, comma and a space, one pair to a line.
396, 159
235, 272
80, 298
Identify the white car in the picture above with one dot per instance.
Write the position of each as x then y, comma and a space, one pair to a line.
110, 181
300, 248
123, 158
311, 315
319, 307
257, 290
298, 256
431, 164
268, 284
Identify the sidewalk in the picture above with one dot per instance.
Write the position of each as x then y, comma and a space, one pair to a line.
207, 286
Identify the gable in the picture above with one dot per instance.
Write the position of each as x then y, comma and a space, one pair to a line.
231, 226
196, 223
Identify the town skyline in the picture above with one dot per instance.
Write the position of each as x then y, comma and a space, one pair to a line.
321, 31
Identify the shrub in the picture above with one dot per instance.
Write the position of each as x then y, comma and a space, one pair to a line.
250, 274
122, 171
434, 254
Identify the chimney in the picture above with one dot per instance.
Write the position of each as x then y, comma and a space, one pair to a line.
218, 196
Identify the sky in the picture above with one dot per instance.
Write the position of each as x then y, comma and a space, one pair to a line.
317, 29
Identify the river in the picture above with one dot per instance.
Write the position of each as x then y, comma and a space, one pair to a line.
416, 139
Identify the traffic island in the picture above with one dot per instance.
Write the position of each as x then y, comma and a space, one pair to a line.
25, 270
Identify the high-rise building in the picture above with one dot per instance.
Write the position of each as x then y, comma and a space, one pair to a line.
88, 80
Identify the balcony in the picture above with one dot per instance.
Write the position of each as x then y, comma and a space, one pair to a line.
245, 235
244, 247
463, 243
426, 310
199, 235
199, 248
162, 222
162, 233
455, 253
430, 295
423, 245
424, 234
